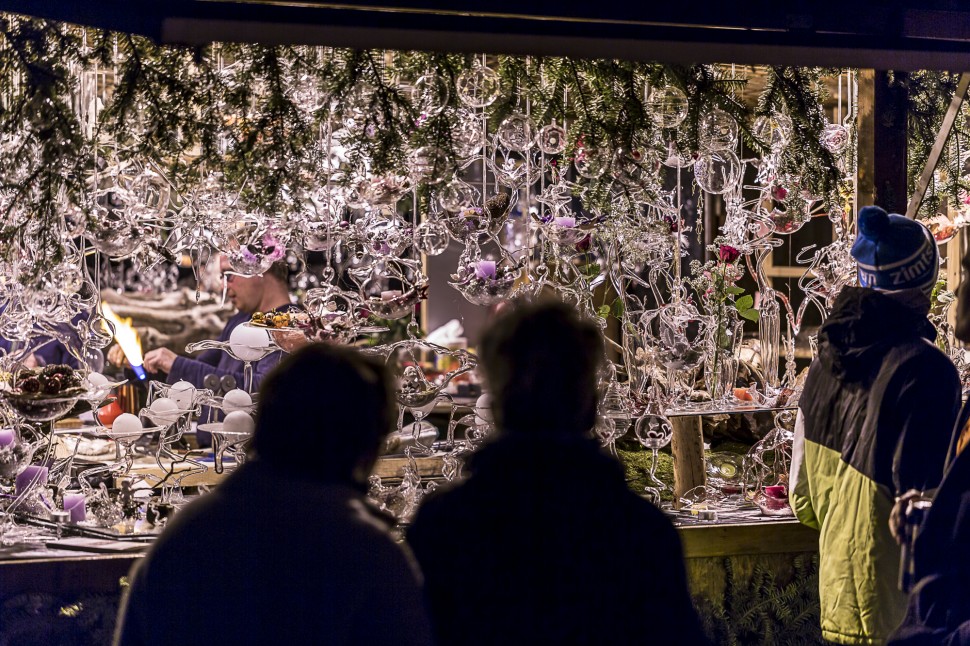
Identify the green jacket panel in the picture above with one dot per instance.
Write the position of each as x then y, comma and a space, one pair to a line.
858, 558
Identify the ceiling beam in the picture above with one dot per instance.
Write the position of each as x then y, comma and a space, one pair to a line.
887, 35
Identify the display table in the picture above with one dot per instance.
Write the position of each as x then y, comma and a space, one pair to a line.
743, 575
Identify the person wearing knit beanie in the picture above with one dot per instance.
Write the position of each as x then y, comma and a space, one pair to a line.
894, 253
874, 422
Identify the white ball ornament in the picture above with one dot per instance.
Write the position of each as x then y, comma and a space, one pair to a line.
183, 394
164, 410
237, 400
238, 423
126, 424
247, 343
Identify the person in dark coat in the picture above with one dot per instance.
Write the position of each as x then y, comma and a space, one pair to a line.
872, 423
939, 604
287, 550
544, 543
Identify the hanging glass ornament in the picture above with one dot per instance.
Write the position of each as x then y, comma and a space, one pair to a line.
68, 275
467, 135
16, 320
429, 96
718, 131
774, 130
718, 172
46, 304
484, 281
517, 132
478, 87
252, 246
668, 106
357, 106
590, 162
395, 292
113, 233
455, 195
634, 166
552, 139
431, 238
386, 237
674, 158
834, 138
429, 165
385, 189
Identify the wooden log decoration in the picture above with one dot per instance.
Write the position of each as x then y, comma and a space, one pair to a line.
687, 448
170, 320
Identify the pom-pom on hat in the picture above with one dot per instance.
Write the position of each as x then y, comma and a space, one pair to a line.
894, 252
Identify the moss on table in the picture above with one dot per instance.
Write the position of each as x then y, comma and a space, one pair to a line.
636, 465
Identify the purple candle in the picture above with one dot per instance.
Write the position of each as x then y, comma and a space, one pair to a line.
30, 474
566, 222
74, 503
7, 437
485, 269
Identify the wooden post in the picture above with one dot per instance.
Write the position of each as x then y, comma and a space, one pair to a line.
881, 171
687, 447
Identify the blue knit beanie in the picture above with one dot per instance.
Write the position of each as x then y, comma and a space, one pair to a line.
894, 252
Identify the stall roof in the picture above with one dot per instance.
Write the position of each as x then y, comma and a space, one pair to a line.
901, 34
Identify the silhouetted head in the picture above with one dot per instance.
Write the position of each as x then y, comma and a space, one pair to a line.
540, 363
324, 412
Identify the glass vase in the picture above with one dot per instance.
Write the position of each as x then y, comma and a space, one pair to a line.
721, 367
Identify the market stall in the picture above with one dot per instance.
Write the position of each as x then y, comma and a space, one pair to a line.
701, 214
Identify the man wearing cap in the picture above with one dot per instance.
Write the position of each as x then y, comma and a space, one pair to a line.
873, 422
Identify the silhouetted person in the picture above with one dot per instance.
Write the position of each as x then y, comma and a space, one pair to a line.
873, 422
544, 543
287, 550
939, 604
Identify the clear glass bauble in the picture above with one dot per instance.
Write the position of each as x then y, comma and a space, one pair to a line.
16, 321
429, 165
357, 106
718, 172
786, 221
634, 166
45, 304
456, 194
431, 238
718, 131
386, 237
478, 87
591, 162
774, 130
385, 189
67, 276
668, 106
317, 236
252, 246
834, 138
681, 335
517, 132
673, 158
653, 431
113, 233
467, 135
552, 139
514, 169
152, 192
430, 95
